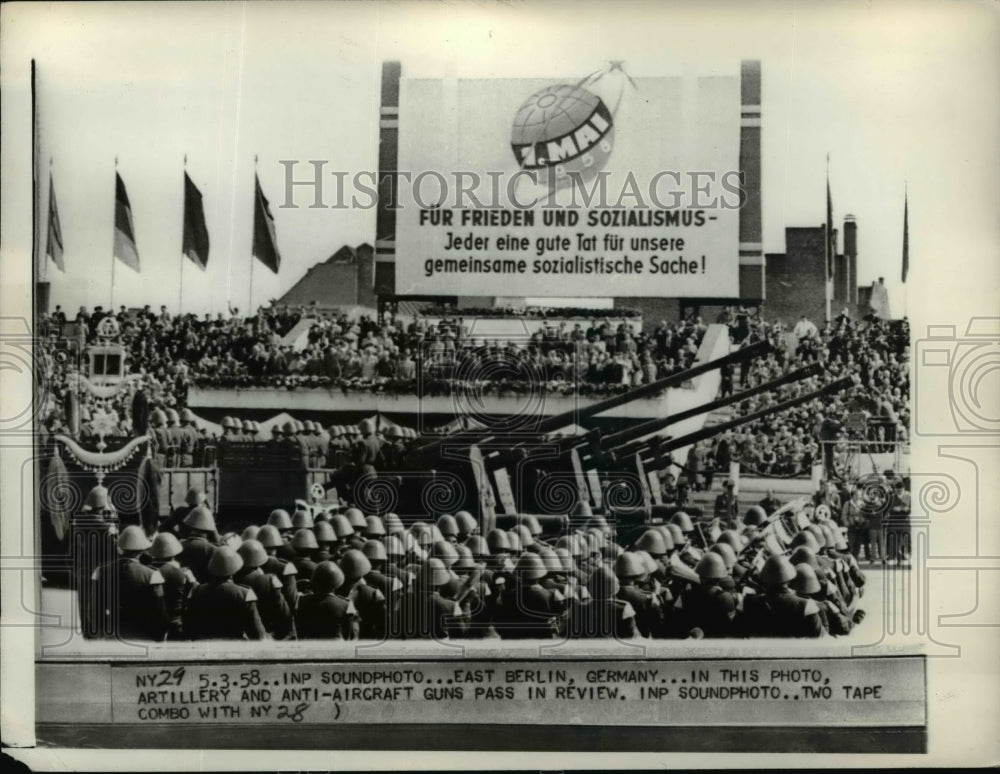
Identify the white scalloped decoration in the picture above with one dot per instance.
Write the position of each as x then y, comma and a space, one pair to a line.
94, 460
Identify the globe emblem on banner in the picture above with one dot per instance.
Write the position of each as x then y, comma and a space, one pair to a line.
562, 133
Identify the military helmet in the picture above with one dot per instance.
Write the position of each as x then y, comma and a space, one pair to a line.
334, 431
165, 546
279, 519
581, 510
726, 552
498, 541
157, 418
574, 544
551, 560
514, 541
683, 521
467, 523
532, 523
97, 499
478, 545
249, 425
648, 562
327, 577
805, 580
227, 422
445, 551
304, 540
755, 516
269, 536
288, 428
374, 528
565, 558
200, 518
375, 551
355, 564
711, 567
194, 496
777, 570
677, 534
524, 533
249, 532
466, 561
252, 552
324, 532
356, 518
597, 522
172, 416
804, 555
653, 542
302, 519
530, 567
603, 583
805, 538
341, 526
447, 525
307, 426
393, 524
732, 538
224, 562
433, 573
394, 546
611, 551
366, 427
629, 565
818, 533
186, 415
133, 539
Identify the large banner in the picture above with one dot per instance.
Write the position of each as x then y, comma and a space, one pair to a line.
601, 185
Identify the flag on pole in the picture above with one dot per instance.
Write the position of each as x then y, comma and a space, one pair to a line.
265, 244
906, 236
54, 243
195, 231
831, 239
125, 249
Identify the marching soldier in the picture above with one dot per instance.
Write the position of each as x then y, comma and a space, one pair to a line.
707, 609
221, 608
127, 595
279, 567
178, 581
780, 612
604, 614
530, 610
324, 614
275, 614
282, 522
425, 613
305, 545
808, 586
368, 601
194, 497
200, 544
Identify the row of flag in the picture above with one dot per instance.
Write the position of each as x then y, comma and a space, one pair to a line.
195, 245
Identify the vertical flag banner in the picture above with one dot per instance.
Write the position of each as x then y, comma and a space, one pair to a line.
906, 236
265, 244
195, 231
54, 243
125, 249
831, 240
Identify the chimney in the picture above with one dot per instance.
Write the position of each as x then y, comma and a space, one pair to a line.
851, 252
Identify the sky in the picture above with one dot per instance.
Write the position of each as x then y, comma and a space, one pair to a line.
897, 94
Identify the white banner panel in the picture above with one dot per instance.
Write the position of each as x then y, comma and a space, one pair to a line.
570, 187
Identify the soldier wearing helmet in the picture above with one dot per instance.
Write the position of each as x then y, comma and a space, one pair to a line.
366, 451
368, 600
327, 540
178, 581
282, 522
158, 423
603, 614
378, 578
221, 608
528, 610
92, 534
631, 571
276, 565
199, 543
323, 613
195, 496
706, 609
188, 437
127, 596
467, 525
808, 585
425, 613
780, 612
448, 526
172, 436
306, 547
275, 614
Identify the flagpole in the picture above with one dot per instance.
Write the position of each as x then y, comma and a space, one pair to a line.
827, 283
113, 259
252, 261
